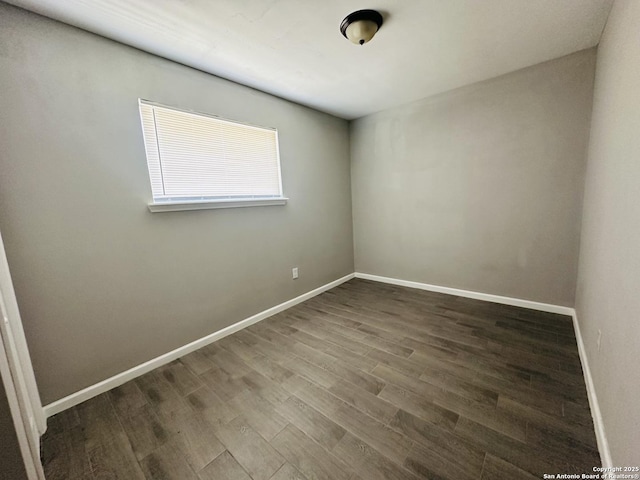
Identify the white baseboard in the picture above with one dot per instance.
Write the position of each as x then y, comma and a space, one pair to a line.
117, 380
601, 437
487, 297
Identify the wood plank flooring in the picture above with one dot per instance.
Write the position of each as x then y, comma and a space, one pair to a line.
366, 381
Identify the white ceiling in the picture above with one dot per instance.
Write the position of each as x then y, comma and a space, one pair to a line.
294, 49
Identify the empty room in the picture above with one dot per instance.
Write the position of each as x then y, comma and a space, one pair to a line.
339, 240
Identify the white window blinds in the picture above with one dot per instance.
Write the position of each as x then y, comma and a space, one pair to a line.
195, 157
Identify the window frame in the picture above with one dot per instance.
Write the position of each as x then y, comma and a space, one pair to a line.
205, 203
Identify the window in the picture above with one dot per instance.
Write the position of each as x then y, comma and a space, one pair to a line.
200, 161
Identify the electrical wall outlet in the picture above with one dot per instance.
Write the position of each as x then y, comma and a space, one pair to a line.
294, 272
599, 338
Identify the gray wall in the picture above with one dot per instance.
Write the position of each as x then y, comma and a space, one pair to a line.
479, 188
11, 463
608, 296
102, 283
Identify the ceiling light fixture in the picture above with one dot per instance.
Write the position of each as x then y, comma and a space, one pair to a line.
361, 26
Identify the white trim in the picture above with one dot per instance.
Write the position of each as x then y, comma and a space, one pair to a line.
17, 350
101, 387
17, 376
106, 385
25, 434
601, 437
487, 297
212, 204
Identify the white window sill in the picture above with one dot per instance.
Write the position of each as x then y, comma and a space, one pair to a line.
210, 204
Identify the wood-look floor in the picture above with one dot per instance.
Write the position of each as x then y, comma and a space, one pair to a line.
366, 381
